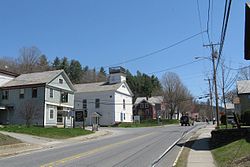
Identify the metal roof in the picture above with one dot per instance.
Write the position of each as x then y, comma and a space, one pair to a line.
243, 86
33, 78
96, 87
152, 100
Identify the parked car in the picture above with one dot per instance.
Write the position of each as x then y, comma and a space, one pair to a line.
230, 119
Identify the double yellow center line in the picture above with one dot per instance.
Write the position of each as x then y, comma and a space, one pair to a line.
84, 154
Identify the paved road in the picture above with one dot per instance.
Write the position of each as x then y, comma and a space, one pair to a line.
130, 147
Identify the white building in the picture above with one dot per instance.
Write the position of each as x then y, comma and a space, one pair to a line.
48, 96
111, 101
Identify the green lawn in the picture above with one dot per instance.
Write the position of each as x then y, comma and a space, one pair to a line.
52, 132
6, 140
148, 123
234, 154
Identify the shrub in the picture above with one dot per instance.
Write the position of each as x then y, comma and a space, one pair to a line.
223, 119
245, 117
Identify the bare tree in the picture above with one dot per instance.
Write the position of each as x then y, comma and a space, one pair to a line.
173, 92
244, 73
29, 59
28, 112
8, 64
185, 102
226, 82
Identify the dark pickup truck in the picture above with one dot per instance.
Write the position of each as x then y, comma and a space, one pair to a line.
185, 120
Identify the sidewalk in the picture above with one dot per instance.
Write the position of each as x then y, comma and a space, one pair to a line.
200, 155
32, 143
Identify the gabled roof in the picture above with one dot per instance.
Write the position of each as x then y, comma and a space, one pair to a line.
97, 87
243, 86
37, 78
152, 100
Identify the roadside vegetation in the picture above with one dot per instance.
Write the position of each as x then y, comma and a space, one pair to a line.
235, 154
183, 157
148, 123
7, 140
52, 132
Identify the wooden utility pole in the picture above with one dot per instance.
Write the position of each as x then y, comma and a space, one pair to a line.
210, 97
214, 56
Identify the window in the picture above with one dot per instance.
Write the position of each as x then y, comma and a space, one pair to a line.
124, 116
146, 105
84, 104
97, 103
51, 114
34, 92
51, 93
5, 94
61, 81
124, 106
21, 94
64, 97
142, 105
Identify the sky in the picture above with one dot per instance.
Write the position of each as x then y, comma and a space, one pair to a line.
105, 33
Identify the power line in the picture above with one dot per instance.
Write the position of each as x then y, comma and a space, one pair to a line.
199, 17
208, 19
154, 52
178, 66
224, 29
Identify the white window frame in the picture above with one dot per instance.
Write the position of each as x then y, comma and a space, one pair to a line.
60, 81
124, 104
21, 92
146, 105
53, 114
51, 90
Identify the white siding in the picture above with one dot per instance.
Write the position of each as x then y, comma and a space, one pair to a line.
5, 78
64, 85
124, 89
51, 122
56, 99
106, 106
120, 111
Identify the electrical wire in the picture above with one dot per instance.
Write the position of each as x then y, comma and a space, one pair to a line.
208, 19
199, 17
155, 52
175, 67
224, 29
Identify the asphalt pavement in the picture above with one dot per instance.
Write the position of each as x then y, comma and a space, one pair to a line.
109, 147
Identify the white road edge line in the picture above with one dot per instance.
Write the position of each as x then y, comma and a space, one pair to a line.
169, 148
178, 156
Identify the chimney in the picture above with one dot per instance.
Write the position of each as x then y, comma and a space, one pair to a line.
117, 75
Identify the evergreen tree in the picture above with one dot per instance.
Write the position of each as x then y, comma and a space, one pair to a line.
43, 63
56, 64
64, 64
75, 71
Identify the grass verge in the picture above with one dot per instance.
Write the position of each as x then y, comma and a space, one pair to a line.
183, 158
7, 140
235, 154
52, 132
148, 123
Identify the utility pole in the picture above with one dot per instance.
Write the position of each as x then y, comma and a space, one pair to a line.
214, 56
210, 97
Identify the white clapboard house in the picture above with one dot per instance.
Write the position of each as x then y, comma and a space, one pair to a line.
47, 97
105, 103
